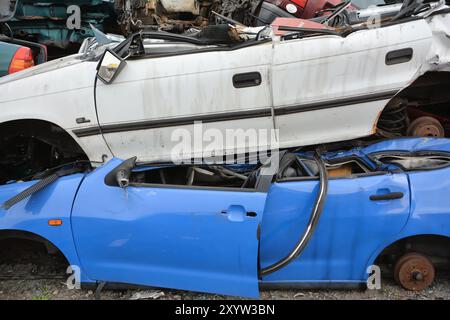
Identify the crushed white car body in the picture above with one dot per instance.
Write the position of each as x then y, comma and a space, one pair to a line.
315, 83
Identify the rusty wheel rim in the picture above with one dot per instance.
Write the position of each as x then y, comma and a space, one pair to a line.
414, 272
426, 127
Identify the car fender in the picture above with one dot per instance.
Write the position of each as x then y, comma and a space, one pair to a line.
417, 225
32, 214
67, 97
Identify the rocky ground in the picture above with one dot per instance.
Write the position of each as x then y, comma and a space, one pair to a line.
37, 276
57, 290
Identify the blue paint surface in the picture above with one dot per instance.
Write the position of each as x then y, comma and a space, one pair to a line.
168, 237
350, 228
203, 239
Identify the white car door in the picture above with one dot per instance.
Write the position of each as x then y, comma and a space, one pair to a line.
331, 88
142, 111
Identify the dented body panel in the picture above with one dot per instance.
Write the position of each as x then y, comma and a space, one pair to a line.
314, 90
214, 239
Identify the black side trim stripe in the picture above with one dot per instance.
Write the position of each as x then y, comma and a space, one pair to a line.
335, 103
266, 112
85, 132
154, 124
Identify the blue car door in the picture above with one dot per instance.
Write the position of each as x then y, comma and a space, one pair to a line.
361, 213
190, 238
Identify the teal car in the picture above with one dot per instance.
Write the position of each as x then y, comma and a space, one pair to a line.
7, 52
16, 55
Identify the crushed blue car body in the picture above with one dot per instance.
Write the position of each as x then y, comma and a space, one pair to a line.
217, 239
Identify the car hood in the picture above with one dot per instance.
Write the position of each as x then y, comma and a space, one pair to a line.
44, 67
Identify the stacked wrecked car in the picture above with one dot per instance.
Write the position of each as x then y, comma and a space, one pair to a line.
88, 151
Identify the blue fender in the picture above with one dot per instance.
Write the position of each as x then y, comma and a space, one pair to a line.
430, 207
32, 214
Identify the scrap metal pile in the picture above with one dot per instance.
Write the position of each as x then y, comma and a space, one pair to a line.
206, 131
46, 21
180, 15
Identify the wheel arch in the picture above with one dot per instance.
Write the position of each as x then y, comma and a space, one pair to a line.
52, 244
28, 146
44, 127
18, 234
428, 239
430, 89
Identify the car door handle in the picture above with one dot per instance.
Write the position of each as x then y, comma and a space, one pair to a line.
248, 79
399, 56
237, 213
82, 120
387, 196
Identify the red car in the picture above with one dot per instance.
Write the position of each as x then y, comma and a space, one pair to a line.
305, 9
308, 9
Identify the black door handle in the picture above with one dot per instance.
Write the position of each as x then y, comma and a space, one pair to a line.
387, 196
251, 214
399, 56
248, 79
82, 120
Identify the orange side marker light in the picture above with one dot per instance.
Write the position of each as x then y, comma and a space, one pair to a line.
55, 222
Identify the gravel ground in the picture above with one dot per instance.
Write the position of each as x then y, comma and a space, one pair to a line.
32, 274
57, 290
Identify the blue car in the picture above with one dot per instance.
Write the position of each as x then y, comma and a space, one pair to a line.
324, 219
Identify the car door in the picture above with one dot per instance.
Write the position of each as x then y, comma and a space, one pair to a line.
354, 223
152, 97
332, 88
186, 238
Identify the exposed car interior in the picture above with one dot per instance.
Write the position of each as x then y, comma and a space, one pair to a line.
221, 36
295, 167
234, 176
292, 167
409, 162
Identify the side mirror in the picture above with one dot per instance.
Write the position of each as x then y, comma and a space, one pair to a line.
120, 176
109, 66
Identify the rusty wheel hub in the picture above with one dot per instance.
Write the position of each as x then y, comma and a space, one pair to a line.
426, 127
414, 272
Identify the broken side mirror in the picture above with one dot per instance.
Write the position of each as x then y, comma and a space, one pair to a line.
109, 66
120, 176
123, 178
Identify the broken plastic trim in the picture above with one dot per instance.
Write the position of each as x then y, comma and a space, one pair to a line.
312, 223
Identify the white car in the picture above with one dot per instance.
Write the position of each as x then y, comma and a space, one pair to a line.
317, 82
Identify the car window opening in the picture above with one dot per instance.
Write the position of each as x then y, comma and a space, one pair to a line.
346, 169
236, 176
213, 37
304, 168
